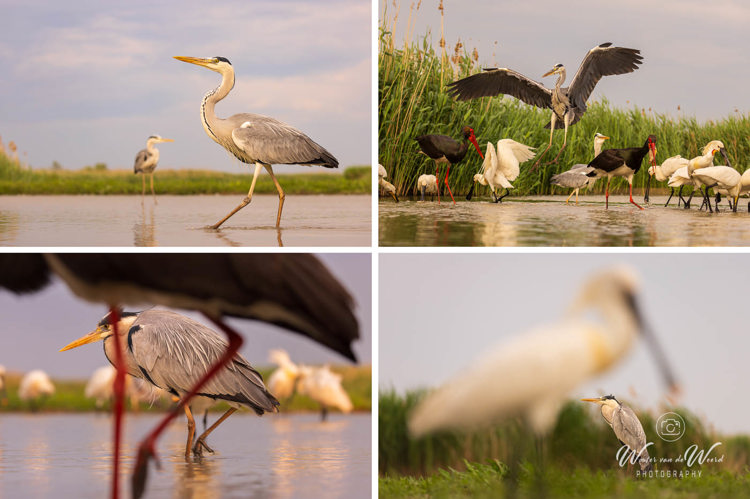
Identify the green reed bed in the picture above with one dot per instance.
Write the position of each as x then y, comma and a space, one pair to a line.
14, 180
69, 395
580, 438
413, 101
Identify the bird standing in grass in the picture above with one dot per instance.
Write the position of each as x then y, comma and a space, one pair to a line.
627, 427
35, 387
501, 166
146, 161
427, 184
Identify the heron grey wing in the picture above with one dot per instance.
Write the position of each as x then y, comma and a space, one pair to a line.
497, 81
603, 60
272, 142
628, 429
174, 351
140, 160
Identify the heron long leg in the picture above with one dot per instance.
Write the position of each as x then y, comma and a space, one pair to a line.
565, 139
446, 183
247, 199
143, 181
575, 191
146, 449
153, 194
191, 430
119, 401
552, 122
281, 193
577, 196
631, 195
201, 442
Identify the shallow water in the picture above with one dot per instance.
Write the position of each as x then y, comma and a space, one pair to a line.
335, 220
276, 456
548, 221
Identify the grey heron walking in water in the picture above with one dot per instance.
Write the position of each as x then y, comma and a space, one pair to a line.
254, 138
293, 291
567, 103
627, 427
172, 352
146, 161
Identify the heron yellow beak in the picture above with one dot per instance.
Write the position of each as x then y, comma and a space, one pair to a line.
605, 137
591, 400
96, 335
167, 140
551, 72
200, 61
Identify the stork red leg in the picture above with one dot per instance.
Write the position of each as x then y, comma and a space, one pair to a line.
119, 402
146, 449
631, 197
446, 183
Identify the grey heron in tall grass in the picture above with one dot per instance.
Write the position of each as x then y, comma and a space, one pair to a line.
254, 138
567, 103
627, 427
293, 291
146, 161
172, 352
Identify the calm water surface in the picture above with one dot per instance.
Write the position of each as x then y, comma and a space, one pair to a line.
548, 221
274, 456
337, 220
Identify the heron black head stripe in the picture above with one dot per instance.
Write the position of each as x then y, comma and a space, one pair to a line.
218, 58
130, 336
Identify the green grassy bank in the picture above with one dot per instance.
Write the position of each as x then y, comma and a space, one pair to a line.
15, 180
69, 395
578, 458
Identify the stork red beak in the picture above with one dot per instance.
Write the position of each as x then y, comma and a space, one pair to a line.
473, 140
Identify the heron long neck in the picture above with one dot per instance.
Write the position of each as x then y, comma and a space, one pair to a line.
560, 80
150, 146
208, 115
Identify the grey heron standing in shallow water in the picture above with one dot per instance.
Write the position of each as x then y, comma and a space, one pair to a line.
172, 352
627, 427
146, 161
567, 103
293, 291
254, 138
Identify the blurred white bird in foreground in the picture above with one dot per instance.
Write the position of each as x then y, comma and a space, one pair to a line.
536, 371
100, 387
323, 386
35, 385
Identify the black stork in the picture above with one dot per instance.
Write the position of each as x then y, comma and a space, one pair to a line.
444, 149
622, 163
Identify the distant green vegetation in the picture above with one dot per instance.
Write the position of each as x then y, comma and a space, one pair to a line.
413, 101
69, 395
579, 457
98, 180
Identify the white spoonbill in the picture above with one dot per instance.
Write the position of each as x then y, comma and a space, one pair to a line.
721, 177
35, 385
387, 186
662, 173
282, 381
427, 184
324, 386
539, 369
501, 166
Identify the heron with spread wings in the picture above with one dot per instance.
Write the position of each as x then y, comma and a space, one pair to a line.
567, 103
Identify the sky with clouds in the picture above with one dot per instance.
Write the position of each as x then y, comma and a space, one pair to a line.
439, 312
36, 326
695, 53
86, 81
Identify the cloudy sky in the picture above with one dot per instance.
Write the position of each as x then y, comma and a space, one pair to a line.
442, 311
34, 327
695, 53
87, 81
